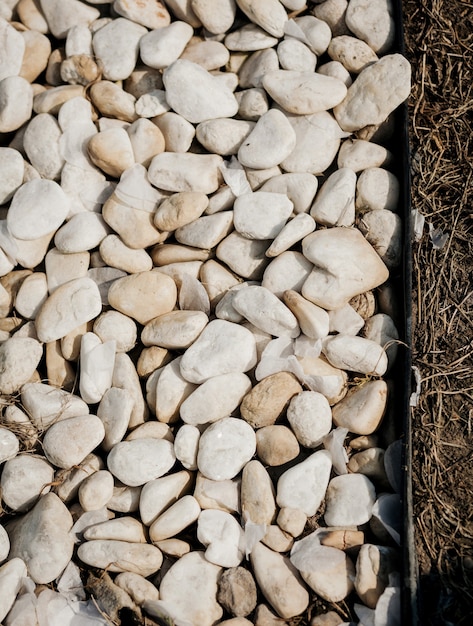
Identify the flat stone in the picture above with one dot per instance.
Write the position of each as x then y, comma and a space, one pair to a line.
225, 447
158, 494
352, 53
355, 354
12, 574
24, 478
249, 38
257, 494
42, 539
328, 571
71, 305
19, 357
138, 588
246, 257
216, 398
288, 271
119, 529
125, 295
222, 348
372, 22
116, 46
69, 441
165, 44
310, 418
38, 208
189, 589
111, 151
206, 232
175, 519
268, 399
388, 83
195, 94
362, 410
174, 330
237, 591
349, 500
345, 266
121, 556
51, 100
263, 309
334, 203
176, 172
155, 456
12, 170
276, 445
304, 485
258, 152
279, 582
304, 93
223, 537
150, 13
269, 14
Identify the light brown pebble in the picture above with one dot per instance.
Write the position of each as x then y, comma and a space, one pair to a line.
266, 402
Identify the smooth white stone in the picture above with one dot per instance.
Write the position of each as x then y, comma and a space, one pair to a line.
216, 398
61, 15
95, 491
206, 232
312, 319
304, 93
373, 22
151, 430
152, 104
117, 254
138, 588
118, 529
377, 189
249, 38
42, 539
345, 321
310, 418
97, 361
336, 70
359, 155
12, 170
217, 16
222, 348
25, 478
135, 190
178, 133
82, 232
195, 94
176, 172
182, 10
315, 33
146, 140
189, 591
61, 268
246, 257
136, 462
31, 295
158, 494
42, 131
261, 214
115, 411
85, 186
256, 66
175, 519
263, 309
221, 495
333, 12
383, 230
388, 81
46, 404
345, 265
121, 556
252, 103
4, 544
164, 45
171, 391
116, 47
294, 231
269, 14
300, 188
304, 485
257, 494
12, 576
381, 328
362, 409
37, 208
78, 40
69, 480
328, 571
256, 177
349, 500
121, 328
149, 13
319, 129
334, 203
69, 441
104, 277
19, 358
9, 447
16, 103
223, 537
289, 270
225, 309
223, 135
186, 445
111, 150
279, 581
12, 50
352, 53
355, 354
295, 55
270, 142
225, 447
125, 499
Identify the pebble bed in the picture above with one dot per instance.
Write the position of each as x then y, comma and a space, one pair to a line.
198, 223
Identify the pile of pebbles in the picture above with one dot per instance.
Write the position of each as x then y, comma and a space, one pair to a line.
198, 222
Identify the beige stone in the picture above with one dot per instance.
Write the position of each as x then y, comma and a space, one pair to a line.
134, 225
257, 494
146, 140
174, 330
111, 151
268, 400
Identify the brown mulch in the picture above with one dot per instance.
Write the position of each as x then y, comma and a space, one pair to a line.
439, 44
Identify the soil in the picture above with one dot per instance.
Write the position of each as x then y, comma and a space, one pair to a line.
439, 45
